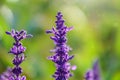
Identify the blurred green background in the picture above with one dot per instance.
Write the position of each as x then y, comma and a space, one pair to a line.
96, 35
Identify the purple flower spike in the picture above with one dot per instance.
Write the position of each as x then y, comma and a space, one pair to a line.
94, 73
61, 56
18, 50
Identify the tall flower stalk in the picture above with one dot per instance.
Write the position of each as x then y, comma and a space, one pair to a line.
18, 51
61, 56
94, 73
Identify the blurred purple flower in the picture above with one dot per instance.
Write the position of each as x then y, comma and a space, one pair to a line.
61, 56
94, 73
6, 75
18, 50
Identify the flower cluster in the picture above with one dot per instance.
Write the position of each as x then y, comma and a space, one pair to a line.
61, 56
18, 50
94, 73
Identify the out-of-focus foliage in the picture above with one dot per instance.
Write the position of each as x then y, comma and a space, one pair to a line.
96, 35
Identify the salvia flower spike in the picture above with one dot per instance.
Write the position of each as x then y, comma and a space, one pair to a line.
18, 50
94, 73
61, 56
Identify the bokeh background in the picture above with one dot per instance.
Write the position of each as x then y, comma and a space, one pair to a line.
96, 35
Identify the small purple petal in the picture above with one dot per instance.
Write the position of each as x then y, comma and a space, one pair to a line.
22, 58
49, 31
21, 49
70, 28
70, 57
23, 78
73, 67
13, 33
13, 50
22, 31
53, 38
9, 33
29, 36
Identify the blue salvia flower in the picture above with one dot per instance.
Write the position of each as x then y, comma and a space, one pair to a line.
18, 50
94, 73
61, 56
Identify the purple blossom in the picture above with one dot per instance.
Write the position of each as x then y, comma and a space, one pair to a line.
61, 56
94, 73
8, 75
18, 50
